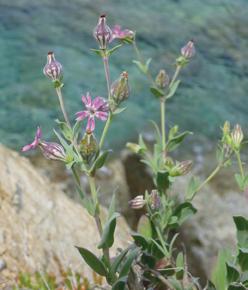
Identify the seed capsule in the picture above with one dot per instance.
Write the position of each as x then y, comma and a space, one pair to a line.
162, 79
53, 69
138, 202
102, 32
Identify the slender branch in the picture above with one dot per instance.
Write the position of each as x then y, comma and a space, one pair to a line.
161, 239
107, 73
216, 170
97, 212
177, 71
163, 125
240, 164
105, 130
62, 106
162, 279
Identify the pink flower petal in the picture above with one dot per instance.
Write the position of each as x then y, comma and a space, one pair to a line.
82, 115
87, 100
27, 148
90, 125
101, 115
97, 103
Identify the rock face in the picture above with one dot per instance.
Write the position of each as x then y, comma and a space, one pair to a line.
39, 224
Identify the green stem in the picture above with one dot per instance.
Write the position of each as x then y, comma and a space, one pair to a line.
177, 71
105, 130
216, 170
97, 218
163, 126
161, 239
77, 181
240, 164
62, 106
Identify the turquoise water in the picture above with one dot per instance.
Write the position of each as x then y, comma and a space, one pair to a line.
214, 86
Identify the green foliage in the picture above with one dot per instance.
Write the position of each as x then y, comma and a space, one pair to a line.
107, 238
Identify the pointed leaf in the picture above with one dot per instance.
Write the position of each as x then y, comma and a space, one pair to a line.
162, 180
94, 263
243, 259
157, 92
174, 142
107, 239
173, 89
232, 273
242, 230
128, 262
184, 211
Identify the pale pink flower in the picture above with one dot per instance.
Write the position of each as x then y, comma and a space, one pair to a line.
97, 108
35, 143
188, 51
118, 33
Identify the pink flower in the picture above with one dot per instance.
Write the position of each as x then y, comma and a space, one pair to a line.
35, 143
97, 108
117, 33
102, 32
188, 51
52, 150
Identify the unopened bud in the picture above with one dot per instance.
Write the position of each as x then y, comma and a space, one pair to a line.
52, 151
88, 145
226, 128
138, 202
182, 168
155, 200
162, 79
102, 32
237, 136
188, 51
53, 69
119, 90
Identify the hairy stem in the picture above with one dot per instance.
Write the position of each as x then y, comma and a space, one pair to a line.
97, 218
62, 106
240, 164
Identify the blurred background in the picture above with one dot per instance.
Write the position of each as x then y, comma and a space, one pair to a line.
214, 86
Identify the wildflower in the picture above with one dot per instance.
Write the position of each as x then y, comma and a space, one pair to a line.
88, 145
119, 90
52, 150
162, 79
35, 143
237, 136
102, 32
188, 51
182, 168
53, 69
155, 200
97, 108
125, 34
138, 202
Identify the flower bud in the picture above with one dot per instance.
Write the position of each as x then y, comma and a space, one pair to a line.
119, 90
88, 145
226, 128
188, 51
138, 202
102, 32
53, 69
155, 200
237, 136
162, 79
52, 151
182, 168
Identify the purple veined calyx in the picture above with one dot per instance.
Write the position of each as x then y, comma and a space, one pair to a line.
102, 32
52, 69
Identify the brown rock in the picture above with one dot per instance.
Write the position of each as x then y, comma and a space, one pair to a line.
39, 224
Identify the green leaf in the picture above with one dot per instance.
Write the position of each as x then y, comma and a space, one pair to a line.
112, 50
144, 227
98, 52
243, 258
183, 212
157, 92
112, 206
100, 161
242, 230
107, 239
62, 140
120, 284
65, 129
174, 142
173, 89
135, 148
192, 188
94, 263
219, 275
236, 286
232, 273
180, 266
162, 180
143, 67
118, 111
128, 262
117, 261
140, 241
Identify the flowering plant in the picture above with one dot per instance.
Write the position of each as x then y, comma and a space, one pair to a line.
150, 261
